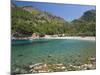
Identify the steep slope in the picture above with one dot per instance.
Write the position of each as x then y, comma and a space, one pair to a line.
27, 20
86, 24
89, 15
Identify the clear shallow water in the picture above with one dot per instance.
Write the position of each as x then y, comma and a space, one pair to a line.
52, 51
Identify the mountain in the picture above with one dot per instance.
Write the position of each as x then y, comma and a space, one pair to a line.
27, 20
86, 24
13, 5
28, 8
89, 15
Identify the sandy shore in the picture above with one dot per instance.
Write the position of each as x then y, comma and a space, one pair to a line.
91, 38
72, 37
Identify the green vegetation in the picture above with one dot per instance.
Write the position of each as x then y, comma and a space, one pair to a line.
26, 21
86, 25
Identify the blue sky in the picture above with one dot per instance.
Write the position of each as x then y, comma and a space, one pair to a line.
67, 11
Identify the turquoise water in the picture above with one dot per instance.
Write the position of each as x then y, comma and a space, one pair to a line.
52, 51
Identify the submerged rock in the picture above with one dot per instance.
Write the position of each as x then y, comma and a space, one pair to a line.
33, 65
49, 67
17, 70
20, 55
49, 56
92, 59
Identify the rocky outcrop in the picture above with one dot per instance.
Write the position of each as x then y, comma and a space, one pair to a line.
37, 68
46, 67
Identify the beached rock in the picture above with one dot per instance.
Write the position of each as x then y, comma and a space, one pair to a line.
46, 68
17, 70
32, 71
33, 65
63, 67
87, 66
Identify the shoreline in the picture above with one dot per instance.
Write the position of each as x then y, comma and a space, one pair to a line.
59, 67
90, 38
73, 37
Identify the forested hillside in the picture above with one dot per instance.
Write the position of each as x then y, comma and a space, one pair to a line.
86, 25
27, 20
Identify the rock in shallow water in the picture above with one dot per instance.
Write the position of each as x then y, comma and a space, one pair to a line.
49, 56
44, 67
47, 68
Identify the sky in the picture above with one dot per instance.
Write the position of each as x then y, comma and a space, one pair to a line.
68, 12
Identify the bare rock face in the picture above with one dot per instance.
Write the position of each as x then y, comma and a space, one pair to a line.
28, 8
13, 5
